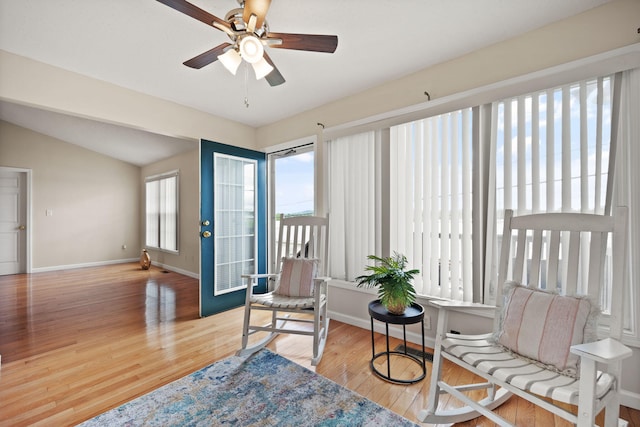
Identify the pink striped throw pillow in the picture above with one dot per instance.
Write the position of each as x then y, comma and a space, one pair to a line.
541, 326
296, 277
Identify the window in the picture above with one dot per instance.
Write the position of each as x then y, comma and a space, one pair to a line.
292, 179
406, 190
235, 230
162, 211
551, 155
431, 202
291, 191
410, 188
552, 149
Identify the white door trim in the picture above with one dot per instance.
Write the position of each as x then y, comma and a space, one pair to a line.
28, 176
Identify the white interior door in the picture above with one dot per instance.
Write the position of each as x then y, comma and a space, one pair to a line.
13, 222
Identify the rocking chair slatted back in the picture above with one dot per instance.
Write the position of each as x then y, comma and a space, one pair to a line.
553, 252
303, 237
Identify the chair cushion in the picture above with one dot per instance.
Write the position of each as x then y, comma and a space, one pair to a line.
542, 326
274, 300
493, 359
296, 277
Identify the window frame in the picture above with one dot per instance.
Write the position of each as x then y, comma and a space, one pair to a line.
158, 178
292, 149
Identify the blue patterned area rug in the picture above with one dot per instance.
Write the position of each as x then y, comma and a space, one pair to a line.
261, 390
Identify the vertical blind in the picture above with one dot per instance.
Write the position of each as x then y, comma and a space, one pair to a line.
431, 205
552, 149
627, 177
551, 154
549, 151
353, 203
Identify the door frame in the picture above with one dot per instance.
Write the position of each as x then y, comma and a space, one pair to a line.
27, 251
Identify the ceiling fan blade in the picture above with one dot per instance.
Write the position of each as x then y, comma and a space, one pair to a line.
207, 57
194, 12
258, 8
274, 78
310, 42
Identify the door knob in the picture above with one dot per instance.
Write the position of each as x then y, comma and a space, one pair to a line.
206, 234
205, 222
22, 227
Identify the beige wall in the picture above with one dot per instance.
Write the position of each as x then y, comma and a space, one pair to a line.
94, 200
598, 30
35, 84
187, 260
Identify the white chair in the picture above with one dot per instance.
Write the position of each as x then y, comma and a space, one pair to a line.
299, 287
540, 348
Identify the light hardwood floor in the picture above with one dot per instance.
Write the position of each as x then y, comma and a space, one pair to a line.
77, 343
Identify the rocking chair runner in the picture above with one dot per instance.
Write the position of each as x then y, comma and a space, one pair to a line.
540, 349
300, 287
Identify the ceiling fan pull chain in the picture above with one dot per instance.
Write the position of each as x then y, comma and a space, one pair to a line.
246, 86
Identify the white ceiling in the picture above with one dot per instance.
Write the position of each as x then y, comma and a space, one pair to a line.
141, 44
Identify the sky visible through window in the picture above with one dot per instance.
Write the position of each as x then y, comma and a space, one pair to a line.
576, 169
294, 184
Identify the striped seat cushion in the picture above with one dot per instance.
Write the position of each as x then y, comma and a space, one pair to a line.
281, 301
493, 359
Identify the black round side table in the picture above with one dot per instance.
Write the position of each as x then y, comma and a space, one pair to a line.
413, 314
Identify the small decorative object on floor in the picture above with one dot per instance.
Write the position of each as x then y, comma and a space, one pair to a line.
393, 281
145, 260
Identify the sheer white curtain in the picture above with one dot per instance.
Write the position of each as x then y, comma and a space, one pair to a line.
550, 151
354, 203
431, 204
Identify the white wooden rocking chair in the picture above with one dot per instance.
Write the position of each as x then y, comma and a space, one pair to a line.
534, 352
299, 287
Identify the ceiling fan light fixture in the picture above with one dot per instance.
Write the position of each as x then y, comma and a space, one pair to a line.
262, 68
231, 60
251, 49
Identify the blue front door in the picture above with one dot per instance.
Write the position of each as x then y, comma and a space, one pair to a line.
232, 223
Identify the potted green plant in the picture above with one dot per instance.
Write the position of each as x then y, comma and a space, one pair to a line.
395, 290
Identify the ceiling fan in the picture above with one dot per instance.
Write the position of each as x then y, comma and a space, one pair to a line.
249, 33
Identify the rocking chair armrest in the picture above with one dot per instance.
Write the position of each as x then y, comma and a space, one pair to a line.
606, 351
322, 279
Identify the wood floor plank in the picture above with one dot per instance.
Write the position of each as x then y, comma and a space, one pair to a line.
79, 342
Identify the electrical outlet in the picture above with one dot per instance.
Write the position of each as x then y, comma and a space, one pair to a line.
427, 323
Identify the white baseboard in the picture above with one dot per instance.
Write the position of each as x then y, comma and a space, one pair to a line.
177, 270
83, 265
118, 261
630, 400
